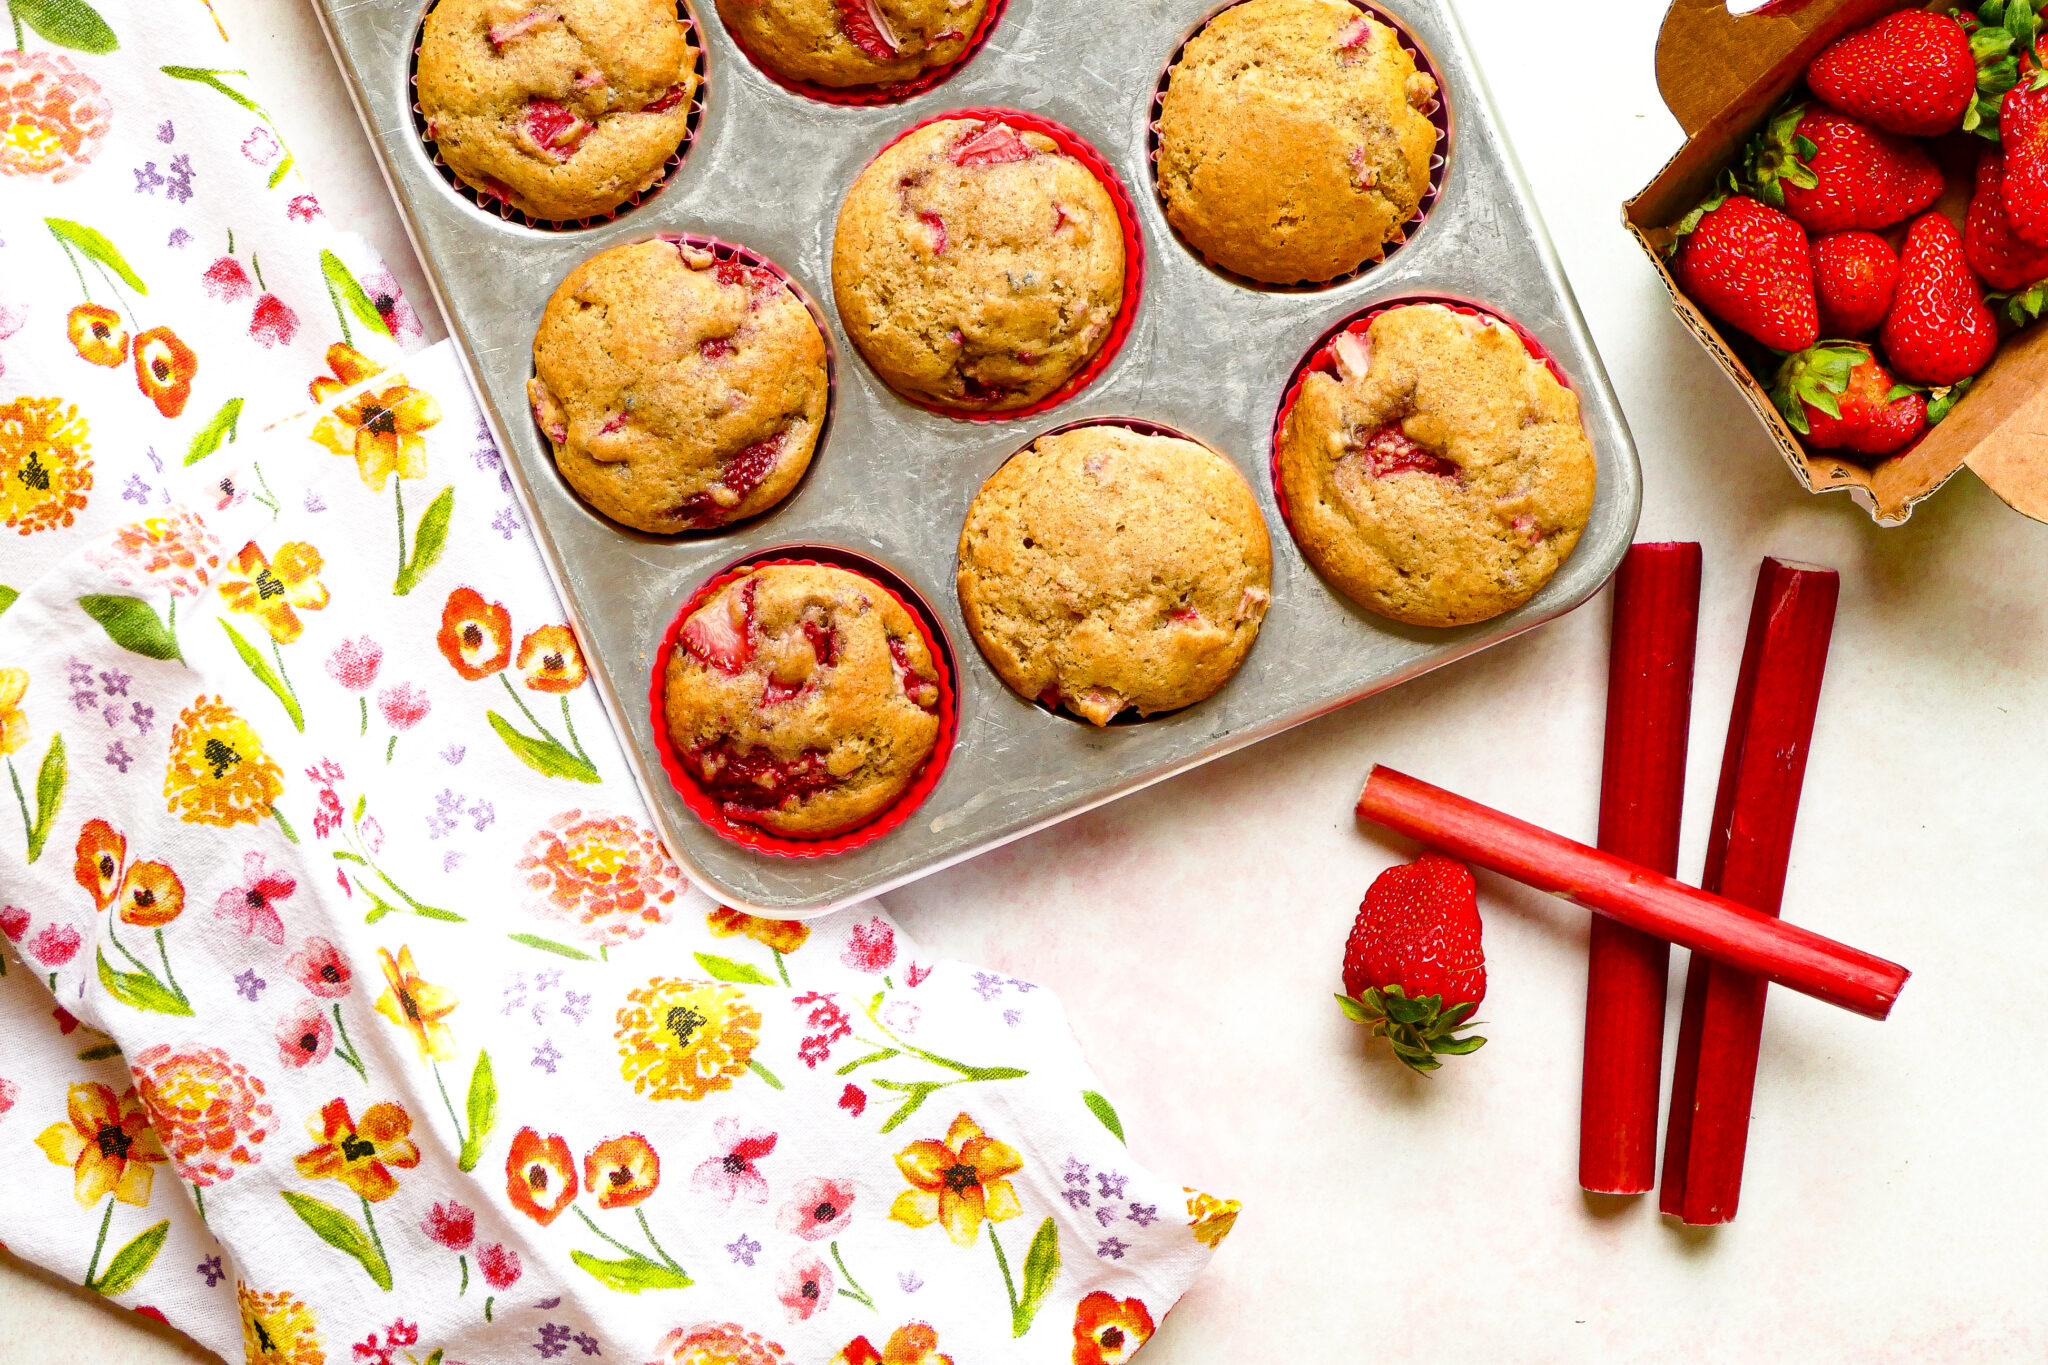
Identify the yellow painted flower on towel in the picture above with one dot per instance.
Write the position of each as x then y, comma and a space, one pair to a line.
417, 1006
382, 431
218, 772
13, 724
360, 1154
107, 1143
275, 591
682, 1040
45, 467
957, 1183
783, 935
1210, 1218
278, 1329
349, 367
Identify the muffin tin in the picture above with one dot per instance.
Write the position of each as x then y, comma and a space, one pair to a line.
892, 482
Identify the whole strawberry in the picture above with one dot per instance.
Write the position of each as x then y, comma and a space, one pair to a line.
1938, 331
1910, 72
2000, 259
1839, 397
1414, 967
1748, 265
1830, 171
2023, 137
1854, 274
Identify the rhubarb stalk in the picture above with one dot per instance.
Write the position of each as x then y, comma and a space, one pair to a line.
1770, 730
1800, 959
1642, 791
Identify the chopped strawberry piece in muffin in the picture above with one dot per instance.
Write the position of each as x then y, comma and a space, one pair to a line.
675, 96
501, 34
992, 144
555, 129
1390, 451
715, 348
1354, 35
913, 684
736, 274
937, 227
756, 778
721, 631
867, 28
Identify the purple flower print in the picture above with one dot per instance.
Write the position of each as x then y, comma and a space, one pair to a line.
248, 985
453, 754
744, 1250
987, 986
143, 716
314, 502
178, 186
119, 758
730, 1172
586, 1343
135, 490
1105, 1215
1112, 1183
147, 178
451, 860
575, 1006
1013, 1017
1077, 1197
1112, 1249
447, 806
908, 1281
114, 682
166, 132
506, 522
484, 814
1075, 1172
210, 1268
179, 237
252, 905
554, 1340
545, 1056
1144, 1215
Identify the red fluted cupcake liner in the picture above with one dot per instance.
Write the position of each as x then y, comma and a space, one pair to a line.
862, 96
724, 251
1072, 145
1438, 113
492, 202
1322, 358
713, 812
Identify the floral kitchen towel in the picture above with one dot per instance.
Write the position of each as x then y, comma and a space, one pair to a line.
353, 1010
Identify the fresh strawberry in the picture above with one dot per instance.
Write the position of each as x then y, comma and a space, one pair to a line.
721, 632
2000, 259
1748, 265
1839, 397
1831, 172
867, 28
1938, 331
1854, 274
1414, 967
1910, 72
2023, 136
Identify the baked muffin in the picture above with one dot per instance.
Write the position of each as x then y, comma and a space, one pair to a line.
563, 108
977, 266
1109, 570
853, 42
802, 698
679, 392
1442, 475
1292, 142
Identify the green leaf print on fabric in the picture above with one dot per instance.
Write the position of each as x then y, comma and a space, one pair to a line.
725, 969
544, 756
343, 1233
428, 541
219, 431
51, 779
133, 624
548, 945
141, 990
1041, 1268
266, 675
482, 1105
67, 23
212, 76
348, 297
95, 245
631, 1275
132, 1261
7, 598
1100, 1106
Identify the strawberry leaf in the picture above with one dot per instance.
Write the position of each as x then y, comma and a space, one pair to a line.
1941, 401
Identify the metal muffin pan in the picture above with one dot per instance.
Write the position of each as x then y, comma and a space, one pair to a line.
1206, 355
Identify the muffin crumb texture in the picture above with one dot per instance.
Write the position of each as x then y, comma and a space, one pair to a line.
1442, 475
802, 698
1105, 570
678, 391
853, 42
563, 108
977, 266
1294, 140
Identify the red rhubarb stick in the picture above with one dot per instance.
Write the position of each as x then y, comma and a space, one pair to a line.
1800, 959
1770, 730
1642, 791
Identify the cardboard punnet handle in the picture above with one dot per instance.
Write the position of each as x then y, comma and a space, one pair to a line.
1708, 59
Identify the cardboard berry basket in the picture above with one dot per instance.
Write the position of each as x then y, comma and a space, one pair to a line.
1722, 75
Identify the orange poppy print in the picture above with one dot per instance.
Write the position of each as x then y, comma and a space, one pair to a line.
97, 335
108, 1144
549, 660
164, 367
1107, 1330
475, 636
151, 896
382, 432
360, 1154
540, 1175
102, 854
957, 1183
916, 1344
349, 367
622, 1171
275, 591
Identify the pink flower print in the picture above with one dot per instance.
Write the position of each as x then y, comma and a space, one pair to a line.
354, 663
817, 1209
404, 706
389, 300
730, 1173
11, 320
175, 550
303, 208
227, 281
870, 947
58, 942
373, 834
53, 117
261, 146
321, 969
805, 1286
327, 814
453, 1225
252, 906
900, 1016
853, 1100
499, 1264
304, 1036
13, 922
8, 1093
273, 323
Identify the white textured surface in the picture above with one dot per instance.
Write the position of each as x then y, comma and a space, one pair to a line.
1894, 1206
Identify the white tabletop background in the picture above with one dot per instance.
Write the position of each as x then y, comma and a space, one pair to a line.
1896, 1206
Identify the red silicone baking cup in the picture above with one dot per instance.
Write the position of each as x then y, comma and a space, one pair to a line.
860, 96
724, 251
1321, 358
1072, 145
490, 202
1438, 113
712, 811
